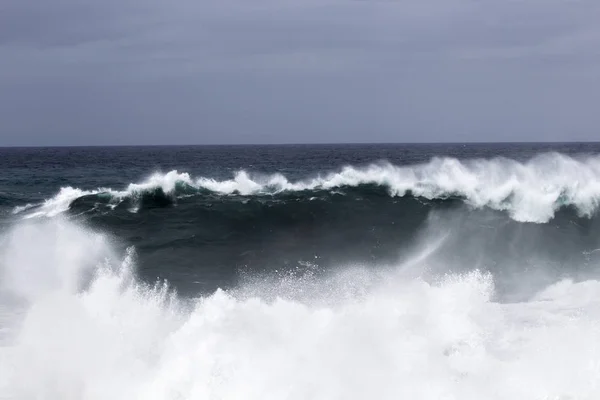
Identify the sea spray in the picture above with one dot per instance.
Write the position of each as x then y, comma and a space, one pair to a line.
529, 191
404, 337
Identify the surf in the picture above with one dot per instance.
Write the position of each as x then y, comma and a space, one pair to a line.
528, 191
79, 324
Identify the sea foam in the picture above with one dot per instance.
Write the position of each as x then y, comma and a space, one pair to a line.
78, 325
529, 191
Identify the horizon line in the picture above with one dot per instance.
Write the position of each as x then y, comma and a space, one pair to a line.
297, 144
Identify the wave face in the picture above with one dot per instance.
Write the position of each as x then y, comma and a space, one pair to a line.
355, 215
280, 273
77, 324
529, 191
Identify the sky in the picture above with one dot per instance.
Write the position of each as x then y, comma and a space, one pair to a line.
129, 72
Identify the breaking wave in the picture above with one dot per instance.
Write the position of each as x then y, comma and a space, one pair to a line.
76, 323
529, 191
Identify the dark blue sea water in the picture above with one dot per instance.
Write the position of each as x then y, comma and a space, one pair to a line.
263, 271
200, 239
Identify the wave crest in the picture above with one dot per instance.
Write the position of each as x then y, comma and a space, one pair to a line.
529, 191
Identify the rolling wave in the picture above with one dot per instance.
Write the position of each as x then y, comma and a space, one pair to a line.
531, 191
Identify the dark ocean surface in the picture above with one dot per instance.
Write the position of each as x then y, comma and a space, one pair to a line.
200, 240
262, 271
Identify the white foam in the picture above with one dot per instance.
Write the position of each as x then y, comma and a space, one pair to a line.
403, 338
20, 209
59, 203
530, 192
166, 182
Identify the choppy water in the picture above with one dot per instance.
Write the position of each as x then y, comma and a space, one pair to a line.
295, 272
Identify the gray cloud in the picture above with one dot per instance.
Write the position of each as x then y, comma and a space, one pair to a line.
208, 71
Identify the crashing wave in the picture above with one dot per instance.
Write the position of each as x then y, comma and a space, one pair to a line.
86, 328
529, 191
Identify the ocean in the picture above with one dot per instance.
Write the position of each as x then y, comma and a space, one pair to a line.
417, 271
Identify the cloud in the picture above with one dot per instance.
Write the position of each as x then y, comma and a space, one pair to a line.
403, 70
58, 22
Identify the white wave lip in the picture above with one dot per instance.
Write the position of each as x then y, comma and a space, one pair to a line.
114, 338
530, 192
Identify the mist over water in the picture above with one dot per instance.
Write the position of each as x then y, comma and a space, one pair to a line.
79, 324
342, 286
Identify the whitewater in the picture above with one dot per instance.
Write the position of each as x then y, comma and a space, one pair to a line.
78, 324
530, 191
259, 277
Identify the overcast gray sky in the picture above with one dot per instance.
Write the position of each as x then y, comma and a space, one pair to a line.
91, 72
